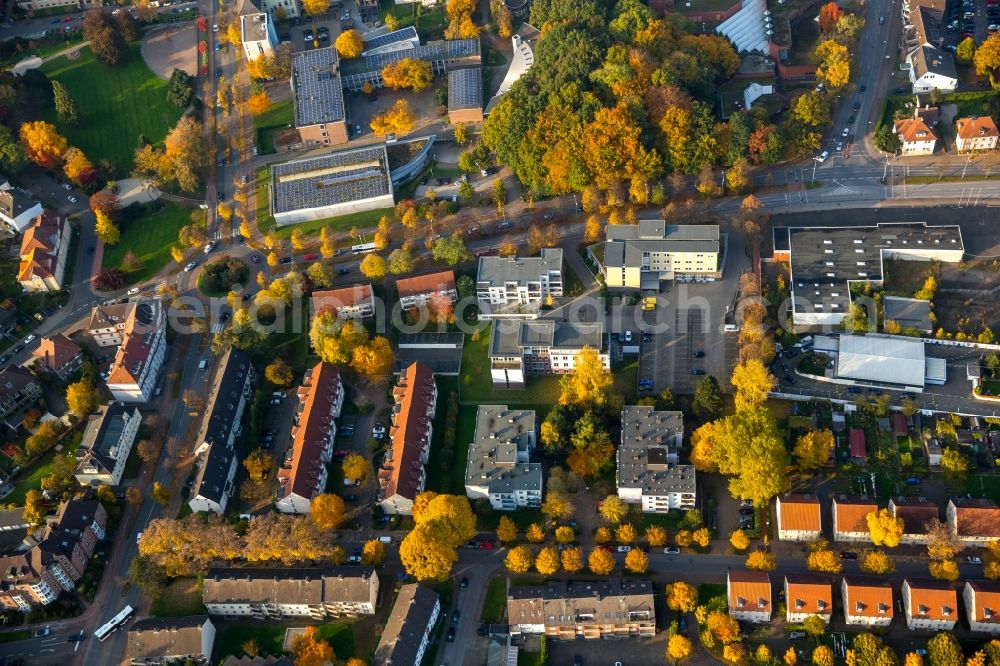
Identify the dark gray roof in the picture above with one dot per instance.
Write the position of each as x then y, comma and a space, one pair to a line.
503, 437
452, 50
465, 89
334, 178
15, 201
648, 453
103, 434
908, 312
938, 62
824, 259
316, 87
405, 627
220, 415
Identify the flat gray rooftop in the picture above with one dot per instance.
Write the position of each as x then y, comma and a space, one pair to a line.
334, 178
498, 271
465, 89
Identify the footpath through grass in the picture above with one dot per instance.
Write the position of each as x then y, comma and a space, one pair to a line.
117, 104
149, 238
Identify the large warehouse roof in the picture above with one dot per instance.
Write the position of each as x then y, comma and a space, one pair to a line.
333, 178
880, 358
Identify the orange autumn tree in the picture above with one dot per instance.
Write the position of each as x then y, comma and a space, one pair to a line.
259, 103
829, 15
307, 650
408, 73
43, 144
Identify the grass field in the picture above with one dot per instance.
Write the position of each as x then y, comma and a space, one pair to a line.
43, 468
183, 596
496, 599
230, 638
477, 384
117, 104
150, 238
265, 126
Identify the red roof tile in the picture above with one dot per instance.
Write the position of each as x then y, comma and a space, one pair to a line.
414, 395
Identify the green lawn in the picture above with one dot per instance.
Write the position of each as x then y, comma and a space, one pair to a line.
183, 596
230, 639
496, 599
266, 125
117, 104
340, 636
150, 238
477, 384
33, 479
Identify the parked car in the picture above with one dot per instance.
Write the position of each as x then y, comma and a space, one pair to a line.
671, 550
190, 267
71, 198
698, 354
464, 585
354, 559
455, 617
973, 560
28, 340
343, 271
451, 635
848, 555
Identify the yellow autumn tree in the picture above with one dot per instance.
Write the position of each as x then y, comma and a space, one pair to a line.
944, 569
739, 540
535, 533
682, 597
589, 383
572, 559
656, 536
77, 168
761, 560
519, 559
877, 562
702, 537
349, 44
752, 381
824, 560
259, 103
813, 449
106, 229
885, 529
678, 648
547, 562
397, 120
637, 561
506, 530
408, 73
565, 534
43, 144
600, 562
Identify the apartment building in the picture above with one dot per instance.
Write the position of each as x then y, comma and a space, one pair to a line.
930, 605
19, 391
647, 461
408, 629
807, 595
978, 133
749, 594
303, 476
574, 610
56, 562
915, 514
57, 356
403, 473
17, 208
523, 348
850, 518
156, 641
355, 302
289, 593
503, 281
107, 442
930, 66
982, 605
416, 292
641, 256
221, 425
319, 110
44, 249
257, 35
107, 323
867, 601
499, 467
974, 521
799, 518
136, 368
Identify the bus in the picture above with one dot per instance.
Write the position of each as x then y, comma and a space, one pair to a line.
363, 248
111, 625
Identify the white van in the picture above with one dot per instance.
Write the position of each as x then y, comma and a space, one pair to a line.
203, 364
134, 290
731, 328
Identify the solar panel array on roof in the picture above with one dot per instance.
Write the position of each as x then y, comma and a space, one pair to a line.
319, 94
402, 35
465, 89
348, 175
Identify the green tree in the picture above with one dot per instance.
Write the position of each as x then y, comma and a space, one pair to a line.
707, 399
886, 140
451, 250
966, 51
66, 107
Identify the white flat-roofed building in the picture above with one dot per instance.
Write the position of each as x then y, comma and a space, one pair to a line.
640, 256
648, 473
519, 280
499, 467
882, 359
258, 35
520, 349
346, 181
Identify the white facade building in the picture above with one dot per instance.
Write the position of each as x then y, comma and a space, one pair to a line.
930, 605
647, 469
499, 466
519, 280
140, 357
867, 601
982, 605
